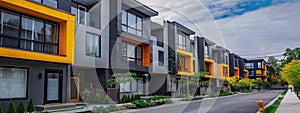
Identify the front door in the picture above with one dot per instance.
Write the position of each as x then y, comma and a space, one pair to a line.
74, 89
53, 86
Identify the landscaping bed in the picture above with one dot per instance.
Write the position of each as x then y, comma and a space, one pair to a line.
274, 106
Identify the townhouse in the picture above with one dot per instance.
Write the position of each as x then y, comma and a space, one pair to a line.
257, 69
180, 57
36, 50
112, 36
237, 66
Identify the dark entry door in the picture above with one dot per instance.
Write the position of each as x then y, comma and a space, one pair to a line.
53, 86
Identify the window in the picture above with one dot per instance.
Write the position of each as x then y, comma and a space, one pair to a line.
181, 63
206, 51
92, 45
236, 62
258, 64
129, 86
28, 33
132, 54
51, 3
249, 65
13, 83
80, 13
125, 87
181, 42
161, 58
131, 23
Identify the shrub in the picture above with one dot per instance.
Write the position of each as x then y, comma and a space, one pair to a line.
106, 99
132, 106
100, 109
97, 98
141, 103
86, 95
284, 92
113, 107
21, 107
11, 107
30, 107
247, 91
0, 109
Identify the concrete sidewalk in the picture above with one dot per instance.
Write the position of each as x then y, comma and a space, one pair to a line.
289, 104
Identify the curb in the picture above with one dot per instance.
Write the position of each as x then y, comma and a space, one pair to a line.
271, 102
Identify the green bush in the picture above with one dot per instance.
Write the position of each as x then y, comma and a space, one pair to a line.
132, 106
30, 107
113, 107
21, 107
106, 99
11, 107
97, 98
141, 103
0, 109
100, 109
246, 90
86, 95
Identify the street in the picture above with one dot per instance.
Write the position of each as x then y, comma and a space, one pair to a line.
241, 103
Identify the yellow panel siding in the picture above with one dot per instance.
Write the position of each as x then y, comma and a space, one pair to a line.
245, 73
258, 72
211, 67
189, 62
236, 72
66, 32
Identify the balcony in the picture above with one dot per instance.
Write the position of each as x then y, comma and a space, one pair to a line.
185, 63
223, 71
209, 68
91, 18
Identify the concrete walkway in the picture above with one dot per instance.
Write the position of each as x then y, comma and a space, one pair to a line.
289, 104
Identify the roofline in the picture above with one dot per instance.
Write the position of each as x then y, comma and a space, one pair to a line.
182, 28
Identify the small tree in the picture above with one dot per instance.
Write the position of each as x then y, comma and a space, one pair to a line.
120, 78
30, 106
106, 99
21, 107
97, 98
192, 82
290, 73
11, 107
232, 83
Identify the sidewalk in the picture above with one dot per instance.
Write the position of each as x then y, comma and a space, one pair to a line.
289, 104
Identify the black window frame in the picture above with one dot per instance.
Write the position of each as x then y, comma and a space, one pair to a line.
127, 26
161, 57
27, 83
99, 42
136, 59
42, 2
19, 37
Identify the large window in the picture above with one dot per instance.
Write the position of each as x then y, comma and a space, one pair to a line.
132, 54
93, 45
131, 23
28, 33
51, 3
258, 64
13, 83
249, 65
181, 42
130, 86
181, 63
161, 58
80, 13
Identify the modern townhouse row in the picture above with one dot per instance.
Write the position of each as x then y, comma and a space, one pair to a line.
52, 50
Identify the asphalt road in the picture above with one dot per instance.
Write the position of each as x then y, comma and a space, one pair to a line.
241, 103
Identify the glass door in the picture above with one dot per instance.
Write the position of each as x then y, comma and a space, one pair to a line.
53, 86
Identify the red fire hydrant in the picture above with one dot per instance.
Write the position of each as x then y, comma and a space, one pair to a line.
261, 106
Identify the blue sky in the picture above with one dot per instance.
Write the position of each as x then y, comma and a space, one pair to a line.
243, 26
239, 7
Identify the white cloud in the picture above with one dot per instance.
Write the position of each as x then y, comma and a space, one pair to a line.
268, 29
